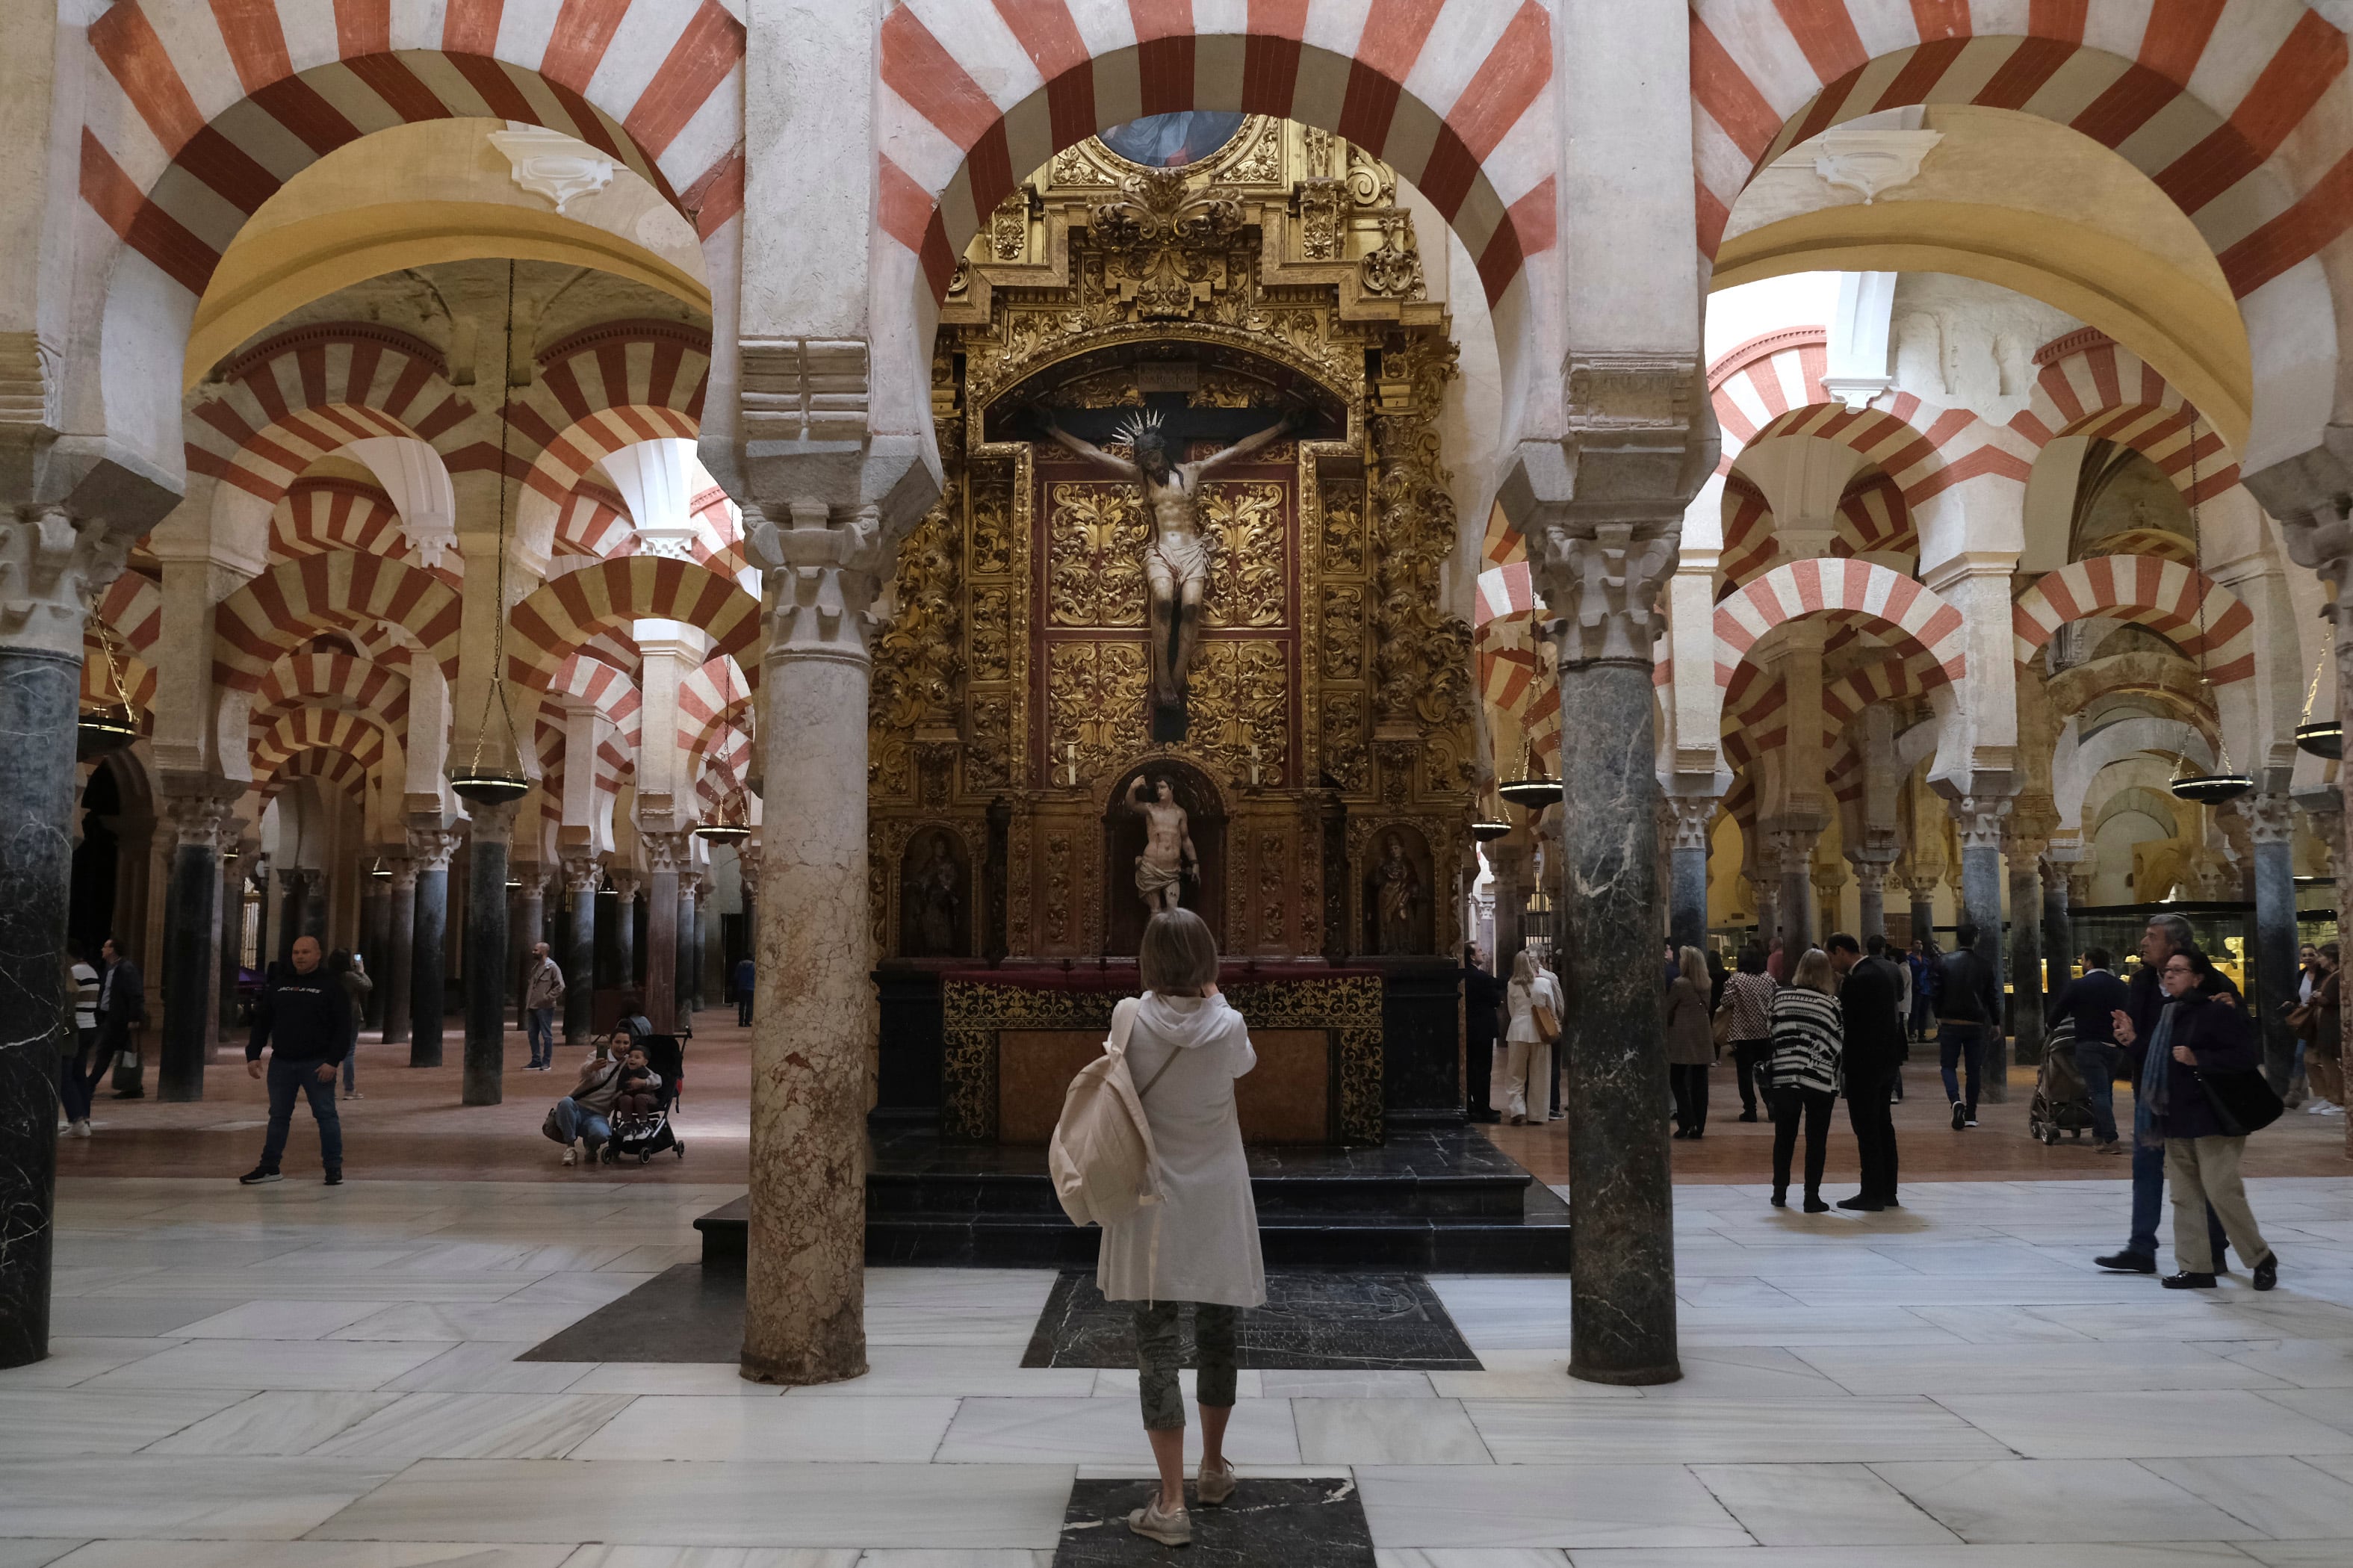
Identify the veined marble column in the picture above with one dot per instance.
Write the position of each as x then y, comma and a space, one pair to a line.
625, 927
491, 829
1509, 861
399, 982
430, 845
318, 907
581, 874
528, 925
663, 850
2271, 822
804, 1318
2024, 851
1923, 890
228, 951
2058, 911
1794, 905
191, 966
1870, 890
375, 937
1689, 818
294, 885
683, 948
1981, 822
50, 566
705, 993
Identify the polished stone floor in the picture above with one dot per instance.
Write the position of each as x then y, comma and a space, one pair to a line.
300, 1377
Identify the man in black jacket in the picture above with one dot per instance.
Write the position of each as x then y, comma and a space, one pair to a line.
303, 1017
122, 1007
1481, 995
1969, 1015
2090, 1002
1873, 1050
2165, 936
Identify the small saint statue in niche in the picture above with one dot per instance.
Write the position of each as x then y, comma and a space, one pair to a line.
1397, 890
931, 897
1177, 560
1168, 858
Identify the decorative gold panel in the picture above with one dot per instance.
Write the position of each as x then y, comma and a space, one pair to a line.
1343, 528
1094, 701
1240, 696
1096, 531
1344, 632
1242, 523
1344, 742
994, 526
992, 634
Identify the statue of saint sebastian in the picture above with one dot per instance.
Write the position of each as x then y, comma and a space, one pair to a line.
1168, 855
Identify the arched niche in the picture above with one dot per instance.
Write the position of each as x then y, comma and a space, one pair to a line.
1122, 837
935, 896
1399, 912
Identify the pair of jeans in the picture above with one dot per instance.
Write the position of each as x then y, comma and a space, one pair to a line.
286, 1080
744, 1009
2096, 1060
1869, 1112
1790, 1104
1690, 1083
1160, 1351
1959, 1044
79, 1074
539, 1027
2148, 1195
576, 1124
1920, 1006
1749, 1058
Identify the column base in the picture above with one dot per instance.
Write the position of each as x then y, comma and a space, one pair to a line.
1628, 1377
795, 1375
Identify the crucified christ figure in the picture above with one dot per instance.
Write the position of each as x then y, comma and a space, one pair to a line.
1176, 563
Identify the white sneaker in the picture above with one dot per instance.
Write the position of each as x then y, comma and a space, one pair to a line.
1168, 1528
79, 1130
2318, 1107
572, 1155
1216, 1486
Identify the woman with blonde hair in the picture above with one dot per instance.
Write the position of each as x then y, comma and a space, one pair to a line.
1808, 1034
1523, 1067
1690, 1041
1199, 1243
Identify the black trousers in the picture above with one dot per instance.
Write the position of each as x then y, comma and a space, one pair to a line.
1868, 1113
1478, 1058
1690, 1084
1750, 1057
1790, 1104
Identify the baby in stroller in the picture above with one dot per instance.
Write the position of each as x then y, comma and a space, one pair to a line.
639, 1090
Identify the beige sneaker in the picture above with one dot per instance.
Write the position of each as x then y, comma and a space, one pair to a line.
572, 1155
1215, 1486
1168, 1528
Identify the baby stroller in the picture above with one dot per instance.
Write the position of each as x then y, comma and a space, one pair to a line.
646, 1134
2060, 1102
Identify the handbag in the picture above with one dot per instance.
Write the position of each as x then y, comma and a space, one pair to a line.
2242, 1100
1722, 1029
1547, 1027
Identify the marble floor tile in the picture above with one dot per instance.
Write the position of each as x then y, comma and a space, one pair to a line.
34, 1554
707, 1379
1746, 1371
594, 1556
477, 1427
281, 1282
1461, 1507
2288, 1498
281, 1320
90, 1317
316, 1554
954, 1371
72, 1361
275, 1423
1275, 1384
2328, 1405
1820, 1505
2194, 1554
489, 1366
578, 1288
527, 1324
1983, 1325
2297, 1553
254, 1364
146, 1497
2091, 1366
1126, 1383
2147, 1426
41, 1421
919, 1557
1469, 1557
758, 1504
2053, 1500
1822, 1431
1387, 1432
1811, 1326
1102, 1432
876, 1430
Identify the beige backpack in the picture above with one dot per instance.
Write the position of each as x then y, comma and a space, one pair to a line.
1101, 1156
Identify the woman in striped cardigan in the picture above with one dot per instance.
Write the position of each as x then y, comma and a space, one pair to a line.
1807, 1036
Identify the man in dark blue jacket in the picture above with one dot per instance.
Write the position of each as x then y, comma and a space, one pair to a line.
2090, 1001
303, 1018
1969, 1015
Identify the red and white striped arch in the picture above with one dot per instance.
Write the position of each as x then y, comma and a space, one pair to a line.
300, 395
1871, 519
1757, 382
132, 607
608, 386
615, 695
2240, 112
196, 114
321, 514
559, 618
308, 675
2090, 385
1858, 589
710, 700
2204, 619
335, 769
594, 522
292, 601
280, 733
723, 773
718, 533
1453, 94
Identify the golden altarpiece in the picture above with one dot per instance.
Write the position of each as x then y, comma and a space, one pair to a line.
1326, 760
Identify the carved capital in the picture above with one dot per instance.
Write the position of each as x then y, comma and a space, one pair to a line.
824, 573
204, 819
492, 824
1603, 589
2270, 819
664, 851
404, 873
582, 873
626, 885
53, 566
1689, 820
1981, 822
430, 845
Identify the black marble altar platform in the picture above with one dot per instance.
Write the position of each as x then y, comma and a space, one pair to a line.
1440, 1200
1299, 1523
1315, 1321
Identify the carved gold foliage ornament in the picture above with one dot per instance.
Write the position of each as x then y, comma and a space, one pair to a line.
1343, 528
1320, 202
1344, 632
990, 752
1343, 743
1094, 700
917, 662
1240, 696
993, 525
1242, 524
1271, 881
992, 633
1095, 536
1058, 889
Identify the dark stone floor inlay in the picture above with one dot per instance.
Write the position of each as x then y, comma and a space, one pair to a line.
1296, 1523
682, 1314
1311, 1321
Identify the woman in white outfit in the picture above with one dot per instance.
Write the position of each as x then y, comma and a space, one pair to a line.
1199, 1244
1523, 1061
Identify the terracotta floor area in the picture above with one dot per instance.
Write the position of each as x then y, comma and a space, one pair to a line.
409, 1125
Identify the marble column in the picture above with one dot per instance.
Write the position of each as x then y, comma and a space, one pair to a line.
318, 907
625, 928
50, 566
1870, 890
579, 950
813, 1018
748, 863
706, 993
294, 885
1794, 908
230, 949
2024, 854
527, 925
682, 952
399, 982
1923, 890
376, 939
190, 973
1690, 819
663, 850
1979, 821
1509, 862
430, 845
2058, 914
2271, 822
491, 832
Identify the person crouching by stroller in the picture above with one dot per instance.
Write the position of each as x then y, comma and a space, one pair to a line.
586, 1115
303, 1019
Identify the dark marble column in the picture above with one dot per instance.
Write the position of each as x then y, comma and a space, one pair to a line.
230, 947
683, 952
1792, 850
2058, 916
527, 919
484, 1081
1980, 821
1924, 907
662, 851
39, 697
375, 940
2025, 857
1690, 819
429, 965
625, 928
2271, 821
190, 969
398, 980
706, 991
579, 950
318, 907
293, 887
1509, 862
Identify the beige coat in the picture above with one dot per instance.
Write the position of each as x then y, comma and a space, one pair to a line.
1206, 1221
1691, 1036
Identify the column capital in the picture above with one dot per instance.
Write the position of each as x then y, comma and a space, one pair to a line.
1689, 819
626, 883
582, 873
404, 873
1604, 588
665, 850
430, 845
2270, 817
491, 824
1980, 821
53, 566
202, 815
824, 570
